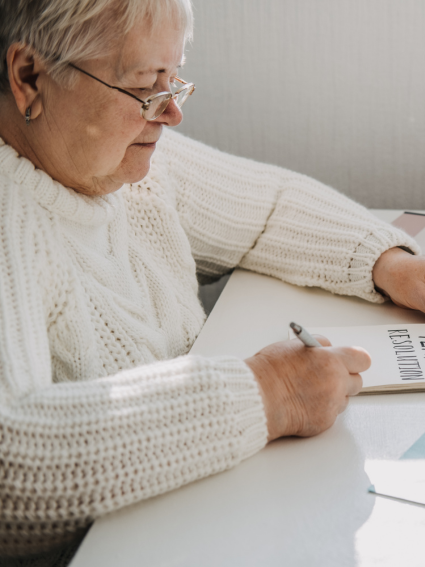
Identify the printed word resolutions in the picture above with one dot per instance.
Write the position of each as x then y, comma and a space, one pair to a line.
407, 359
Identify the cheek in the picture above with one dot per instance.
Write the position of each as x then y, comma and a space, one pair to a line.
110, 139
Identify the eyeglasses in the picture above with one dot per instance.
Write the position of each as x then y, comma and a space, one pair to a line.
156, 104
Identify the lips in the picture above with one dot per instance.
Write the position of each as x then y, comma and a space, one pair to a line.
146, 144
153, 129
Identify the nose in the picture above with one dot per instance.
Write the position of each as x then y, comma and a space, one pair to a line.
172, 115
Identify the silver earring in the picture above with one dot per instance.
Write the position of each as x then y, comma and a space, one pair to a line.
28, 116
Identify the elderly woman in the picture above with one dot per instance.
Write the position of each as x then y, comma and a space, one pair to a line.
101, 244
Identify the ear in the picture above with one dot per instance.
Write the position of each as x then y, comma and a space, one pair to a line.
24, 69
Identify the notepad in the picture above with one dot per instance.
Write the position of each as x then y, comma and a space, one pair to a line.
397, 351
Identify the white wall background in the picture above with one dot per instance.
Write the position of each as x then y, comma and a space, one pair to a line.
331, 88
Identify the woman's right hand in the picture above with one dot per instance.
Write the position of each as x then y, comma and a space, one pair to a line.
305, 388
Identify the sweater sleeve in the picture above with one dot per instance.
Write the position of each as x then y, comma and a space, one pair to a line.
237, 212
71, 452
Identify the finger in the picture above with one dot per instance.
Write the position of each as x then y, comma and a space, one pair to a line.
355, 359
355, 384
323, 340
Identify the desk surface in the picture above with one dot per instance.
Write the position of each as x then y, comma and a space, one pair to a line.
299, 502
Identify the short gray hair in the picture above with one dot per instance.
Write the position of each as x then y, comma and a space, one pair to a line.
61, 31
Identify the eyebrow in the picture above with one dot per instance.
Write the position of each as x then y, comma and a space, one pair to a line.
155, 71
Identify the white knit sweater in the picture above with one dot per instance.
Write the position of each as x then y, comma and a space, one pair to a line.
98, 407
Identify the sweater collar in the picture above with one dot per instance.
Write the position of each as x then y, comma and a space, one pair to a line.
53, 196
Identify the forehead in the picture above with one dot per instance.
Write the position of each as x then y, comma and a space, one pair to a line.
146, 51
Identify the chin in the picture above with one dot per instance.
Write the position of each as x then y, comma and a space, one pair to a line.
137, 175
132, 173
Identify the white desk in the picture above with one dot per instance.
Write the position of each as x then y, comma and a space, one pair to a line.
299, 502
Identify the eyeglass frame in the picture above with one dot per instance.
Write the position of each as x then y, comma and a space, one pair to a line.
146, 103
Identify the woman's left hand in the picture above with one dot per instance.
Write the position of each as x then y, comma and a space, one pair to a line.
401, 276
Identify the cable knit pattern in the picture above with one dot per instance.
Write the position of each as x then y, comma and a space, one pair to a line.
237, 212
99, 297
98, 407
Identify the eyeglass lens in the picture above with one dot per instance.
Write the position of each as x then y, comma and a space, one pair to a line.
182, 97
159, 104
156, 108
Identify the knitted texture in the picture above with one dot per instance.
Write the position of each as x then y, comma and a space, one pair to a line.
237, 212
98, 407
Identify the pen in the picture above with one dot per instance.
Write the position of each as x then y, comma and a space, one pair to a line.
304, 335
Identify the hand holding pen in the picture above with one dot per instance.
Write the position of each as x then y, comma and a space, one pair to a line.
304, 389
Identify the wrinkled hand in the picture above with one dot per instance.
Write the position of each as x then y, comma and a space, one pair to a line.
305, 388
401, 276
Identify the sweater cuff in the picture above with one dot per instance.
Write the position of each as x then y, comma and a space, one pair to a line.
367, 253
248, 404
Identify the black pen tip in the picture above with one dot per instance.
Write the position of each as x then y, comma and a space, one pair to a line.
296, 328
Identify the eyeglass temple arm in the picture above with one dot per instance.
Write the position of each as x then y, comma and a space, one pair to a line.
106, 84
145, 105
